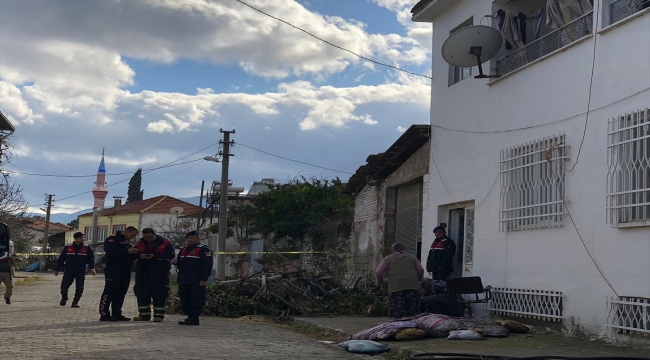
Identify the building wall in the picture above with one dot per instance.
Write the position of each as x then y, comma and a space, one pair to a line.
374, 226
110, 221
547, 91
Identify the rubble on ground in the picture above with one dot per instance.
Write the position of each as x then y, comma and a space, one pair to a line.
284, 294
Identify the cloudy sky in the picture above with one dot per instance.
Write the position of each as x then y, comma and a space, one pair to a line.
153, 81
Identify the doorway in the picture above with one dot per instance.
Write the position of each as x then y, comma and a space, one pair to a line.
460, 229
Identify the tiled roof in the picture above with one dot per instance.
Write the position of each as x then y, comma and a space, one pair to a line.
38, 223
156, 205
380, 166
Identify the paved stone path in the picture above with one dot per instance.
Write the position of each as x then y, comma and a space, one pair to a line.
34, 326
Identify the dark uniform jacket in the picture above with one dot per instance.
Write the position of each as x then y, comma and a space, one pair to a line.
194, 264
441, 255
116, 248
163, 252
75, 257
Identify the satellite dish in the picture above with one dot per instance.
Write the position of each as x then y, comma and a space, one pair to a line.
176, 210
472, 46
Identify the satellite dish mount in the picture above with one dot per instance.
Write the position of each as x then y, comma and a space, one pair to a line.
476, 50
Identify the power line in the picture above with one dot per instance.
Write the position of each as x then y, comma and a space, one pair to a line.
334, 45
82, 176
538, 125
297, 161
591, 84
121, 181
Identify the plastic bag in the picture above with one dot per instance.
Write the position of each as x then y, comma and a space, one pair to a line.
410, 334
438, 325
492, 330
383, 331
513, 326
364, 347
464, 335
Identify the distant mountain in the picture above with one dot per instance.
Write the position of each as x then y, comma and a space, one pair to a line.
62, 218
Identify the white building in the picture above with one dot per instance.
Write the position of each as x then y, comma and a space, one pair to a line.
514, 162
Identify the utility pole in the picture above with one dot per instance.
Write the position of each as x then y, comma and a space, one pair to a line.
46, 233
93, 230
223, 205
200, 214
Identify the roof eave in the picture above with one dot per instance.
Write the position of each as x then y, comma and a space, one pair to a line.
432, 10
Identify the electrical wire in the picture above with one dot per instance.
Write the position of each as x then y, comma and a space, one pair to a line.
331, 44
547, 154
123, 180
591, 84
538, 125
297, 161
82, 176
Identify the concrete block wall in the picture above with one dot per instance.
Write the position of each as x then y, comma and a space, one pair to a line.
373, 230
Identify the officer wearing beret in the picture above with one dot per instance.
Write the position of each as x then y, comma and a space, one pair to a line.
73, 261
194, 263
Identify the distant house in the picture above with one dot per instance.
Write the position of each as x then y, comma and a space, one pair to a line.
157, 213
56, 233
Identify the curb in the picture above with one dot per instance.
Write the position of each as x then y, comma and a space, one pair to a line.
400, 351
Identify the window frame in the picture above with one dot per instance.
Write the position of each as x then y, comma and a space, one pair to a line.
532, 189
644, 5
88, 231
628, 176
123, 226
460, 73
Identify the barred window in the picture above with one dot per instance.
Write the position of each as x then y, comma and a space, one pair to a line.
628, 178
532, 184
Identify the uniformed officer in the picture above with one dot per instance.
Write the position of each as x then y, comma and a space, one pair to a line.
194, 263
73, 261
119, 258
152, 275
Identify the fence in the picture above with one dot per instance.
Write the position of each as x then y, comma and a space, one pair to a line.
535, 304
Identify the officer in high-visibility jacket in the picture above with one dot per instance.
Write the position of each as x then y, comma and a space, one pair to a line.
152, 275
194, 264
73, 260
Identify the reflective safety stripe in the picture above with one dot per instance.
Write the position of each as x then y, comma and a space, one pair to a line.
159, 308
144, 307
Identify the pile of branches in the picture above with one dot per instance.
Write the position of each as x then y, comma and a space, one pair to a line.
296, 293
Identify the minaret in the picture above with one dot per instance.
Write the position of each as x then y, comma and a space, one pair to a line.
100, 191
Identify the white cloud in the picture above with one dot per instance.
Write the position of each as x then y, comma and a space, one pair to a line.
419, 32
14, 106
160, 127
401, 129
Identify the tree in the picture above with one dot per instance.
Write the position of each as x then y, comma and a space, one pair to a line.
74, 223
291, 213
134, 193
174, 229
12, 203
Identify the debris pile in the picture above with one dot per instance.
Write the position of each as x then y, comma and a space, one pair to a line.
295, 293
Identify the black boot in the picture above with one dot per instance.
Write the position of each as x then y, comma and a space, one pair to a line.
64, 300
189, 321
75, 302
8, 301
107, 318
